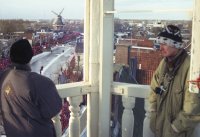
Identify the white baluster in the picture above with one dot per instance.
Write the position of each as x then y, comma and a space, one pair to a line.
146, 125
57, 125
74, 121
128, 117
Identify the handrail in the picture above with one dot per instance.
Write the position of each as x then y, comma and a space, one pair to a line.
74, 89
126, 89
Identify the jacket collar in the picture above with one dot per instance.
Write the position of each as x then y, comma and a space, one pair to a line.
173, 65
173, 61
17, 66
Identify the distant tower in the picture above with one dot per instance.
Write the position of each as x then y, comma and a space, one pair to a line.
58, 23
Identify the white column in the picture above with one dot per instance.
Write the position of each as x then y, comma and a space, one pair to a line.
127, 116
86, 40
93, 39
74, 121
146, 125
106, 65
195, 50
92, 115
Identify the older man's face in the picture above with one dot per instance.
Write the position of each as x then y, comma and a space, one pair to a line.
168, 51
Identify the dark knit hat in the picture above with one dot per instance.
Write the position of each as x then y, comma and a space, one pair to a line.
21, 52
171, 36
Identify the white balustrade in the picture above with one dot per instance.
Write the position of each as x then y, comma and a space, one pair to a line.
128, 92
57, 125
146, 129
74, 121
127, 116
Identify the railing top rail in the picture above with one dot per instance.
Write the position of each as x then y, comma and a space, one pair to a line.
118, 88
126, 89
73, 89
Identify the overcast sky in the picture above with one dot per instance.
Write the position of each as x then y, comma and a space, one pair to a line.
74, 9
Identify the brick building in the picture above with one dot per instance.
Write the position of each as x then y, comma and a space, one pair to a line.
142, 53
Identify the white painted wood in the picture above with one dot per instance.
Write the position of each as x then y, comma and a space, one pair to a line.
94, 44
92, 115
57, 125
146, 125
135, 90
86, 41
74, 89
74, 121
106, 66
127, 116
195, 49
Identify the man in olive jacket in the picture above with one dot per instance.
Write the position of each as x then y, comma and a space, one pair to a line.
28, 100
174, 110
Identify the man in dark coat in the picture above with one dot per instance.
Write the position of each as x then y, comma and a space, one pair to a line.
28, 100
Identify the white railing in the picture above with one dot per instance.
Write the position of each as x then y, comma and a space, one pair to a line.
74, 92
129, 92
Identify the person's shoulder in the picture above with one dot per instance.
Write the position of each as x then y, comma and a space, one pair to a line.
187, 59
163, 60
39, 78
2, 72
162, 63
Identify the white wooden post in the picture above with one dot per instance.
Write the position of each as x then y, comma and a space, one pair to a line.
92, 36
106, 65
195, 50
127, 116
146, 125
74, 121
